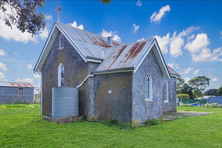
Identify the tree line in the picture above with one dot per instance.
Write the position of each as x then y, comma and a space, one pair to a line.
195, 87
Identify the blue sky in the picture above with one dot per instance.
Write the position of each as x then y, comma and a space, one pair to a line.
189, 34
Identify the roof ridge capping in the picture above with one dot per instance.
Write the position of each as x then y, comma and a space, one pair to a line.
89, 32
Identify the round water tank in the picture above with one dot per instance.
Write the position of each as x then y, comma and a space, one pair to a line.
65, 101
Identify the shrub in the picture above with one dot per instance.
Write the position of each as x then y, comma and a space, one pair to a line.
152, 122
111, 122
216, 105
126, 127
183, 96
2, 107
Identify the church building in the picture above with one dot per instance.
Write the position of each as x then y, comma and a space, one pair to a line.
127, 82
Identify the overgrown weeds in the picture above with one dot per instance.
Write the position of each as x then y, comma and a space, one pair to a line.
152, 122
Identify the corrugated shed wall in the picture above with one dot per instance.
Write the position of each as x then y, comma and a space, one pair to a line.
10, 95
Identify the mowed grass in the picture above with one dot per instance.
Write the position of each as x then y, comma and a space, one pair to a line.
23, 127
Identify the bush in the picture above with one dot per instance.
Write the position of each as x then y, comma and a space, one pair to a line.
2, 107
126, 127
216, 105
152, 122
111, 122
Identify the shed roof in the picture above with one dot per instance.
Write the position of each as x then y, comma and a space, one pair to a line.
15, 84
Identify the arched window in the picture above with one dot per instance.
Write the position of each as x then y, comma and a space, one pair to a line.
165, 91
148, 87
61, 40
61, 75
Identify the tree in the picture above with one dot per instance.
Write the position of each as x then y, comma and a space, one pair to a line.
219, 92
184, 88
105, 1
211, 92
179, 85
183, 96
23, 14
199, 84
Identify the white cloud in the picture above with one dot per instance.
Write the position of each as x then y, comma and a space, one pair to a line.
2, 52
139, 3
48, 17
111, 33
74, 24
198, 43
15, 34
117, 38
44, 33
37, 76
3, 66
156, 17
186, 80
186, 71
135, 28
2, 77
29, 66
196, 72
172, 65
140, 39
175, 45
214, 79
221, 32
27, 80
163, 42
191, 37
15, 52
176, 41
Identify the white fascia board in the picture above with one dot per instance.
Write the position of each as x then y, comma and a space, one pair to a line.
36, 68
94, 60
72, 43
44, 48
161, 56
159, 52
141, 61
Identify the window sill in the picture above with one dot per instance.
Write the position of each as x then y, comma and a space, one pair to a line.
148, 100
166, 101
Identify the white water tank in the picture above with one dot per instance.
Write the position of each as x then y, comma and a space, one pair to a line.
65, 101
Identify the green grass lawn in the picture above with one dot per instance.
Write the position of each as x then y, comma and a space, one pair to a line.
23, 127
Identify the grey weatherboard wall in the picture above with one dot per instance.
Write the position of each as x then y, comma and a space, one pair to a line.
10, 95
143, 110
75, 71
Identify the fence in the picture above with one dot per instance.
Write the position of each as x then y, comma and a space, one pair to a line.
201, 101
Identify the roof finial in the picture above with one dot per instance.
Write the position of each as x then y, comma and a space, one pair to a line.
58, 12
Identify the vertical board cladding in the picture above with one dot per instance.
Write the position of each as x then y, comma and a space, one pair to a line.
113, 94
10, 95
75, 71
144, 110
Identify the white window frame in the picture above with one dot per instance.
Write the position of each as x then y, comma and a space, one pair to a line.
150, 88
59, 74
61, 42
167, 95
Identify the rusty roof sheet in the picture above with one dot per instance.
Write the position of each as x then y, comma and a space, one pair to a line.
125, 56
89, 43
15, 84
172, 71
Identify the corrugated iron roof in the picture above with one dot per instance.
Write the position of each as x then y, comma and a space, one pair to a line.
15, 84
172, 71
125, 56
89, 43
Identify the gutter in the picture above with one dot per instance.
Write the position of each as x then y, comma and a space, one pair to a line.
84, 80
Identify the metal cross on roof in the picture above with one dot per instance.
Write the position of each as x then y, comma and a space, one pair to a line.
58, 12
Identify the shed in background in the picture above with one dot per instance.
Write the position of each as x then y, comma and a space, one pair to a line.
16, 92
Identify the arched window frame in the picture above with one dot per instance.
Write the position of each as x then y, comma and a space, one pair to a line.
148, 89
61, 41
165, 94
59, 75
